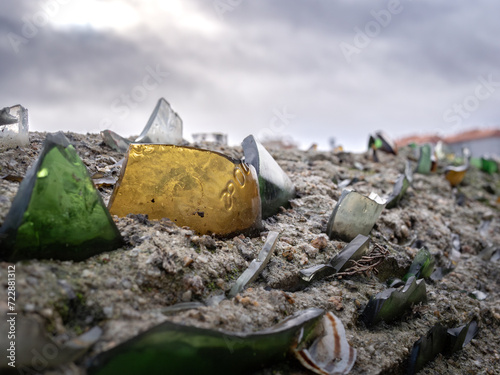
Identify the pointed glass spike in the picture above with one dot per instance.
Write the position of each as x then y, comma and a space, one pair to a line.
424, 164
257, 265
57, 212
381, 141
422, 266
403, 182
391, 303
171, 348
276, 188
343, 260
164, 126
439, 340
329, 353
204, 190
115, 141
354, 214
14, 128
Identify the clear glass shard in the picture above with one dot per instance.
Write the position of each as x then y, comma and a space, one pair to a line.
215, 138
343, 260
179, 349
391, 303
257, 265
14, 127
202, 189
115, 141
164, 126
330, 352
354, 214
276, 188
57, 212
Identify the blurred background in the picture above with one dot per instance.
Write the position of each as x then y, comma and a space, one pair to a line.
304, 71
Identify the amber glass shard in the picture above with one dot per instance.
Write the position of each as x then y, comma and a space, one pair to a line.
14, 126
202, 189
164, 126
57, 212
354, 214
276, 188
115, 141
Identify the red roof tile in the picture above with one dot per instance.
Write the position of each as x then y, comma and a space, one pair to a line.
472, 135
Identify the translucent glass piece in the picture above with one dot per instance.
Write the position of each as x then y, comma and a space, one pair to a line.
257, 265
329, 353
353, 251
489, 165
424, 164
172, 348
204, 190
216, 138
164, 126
439, 340
391, 304
381, 141
14, 128
422, 266
115, 141
276, 188
57, 212
456, 174
402, 183
354, 214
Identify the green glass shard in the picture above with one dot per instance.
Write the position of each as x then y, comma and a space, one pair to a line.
489, 165
257, 265
402, 183
422, 266
424, 161
276, 188
57, 213
171, 348
390, 304
115, 141
439, 340
353, 251
164, 126
354, 214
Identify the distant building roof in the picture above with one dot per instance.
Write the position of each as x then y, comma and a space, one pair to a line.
418, 139
469, 135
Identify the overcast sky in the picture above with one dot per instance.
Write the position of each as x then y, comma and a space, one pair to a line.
309, 70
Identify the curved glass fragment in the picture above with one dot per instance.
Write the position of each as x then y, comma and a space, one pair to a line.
390, 304
422, 266
257, 265
115, 141
164, 126
402, 183
204, 190
57, 212
353, 251
172, 348
354, 214
424, 164
14, 128
489, 165
276, 188
439, 340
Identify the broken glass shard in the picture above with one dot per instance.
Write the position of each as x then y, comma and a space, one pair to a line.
381, 141
477, 294
204, 190
14, 128
456, 174
257, 265
424, 161
276, 188
354, 214
215, 138
439, 340
57, 212
164, 126
329, 353
179, 349
115, 141
347, 182
402, 183
489, 165
422, 266
391, 303
343, 260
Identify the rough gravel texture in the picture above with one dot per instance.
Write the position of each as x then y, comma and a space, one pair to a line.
125, 291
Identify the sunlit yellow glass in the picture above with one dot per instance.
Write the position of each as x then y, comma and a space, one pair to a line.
201, 189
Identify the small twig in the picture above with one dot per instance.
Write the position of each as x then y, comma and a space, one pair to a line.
367, 263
